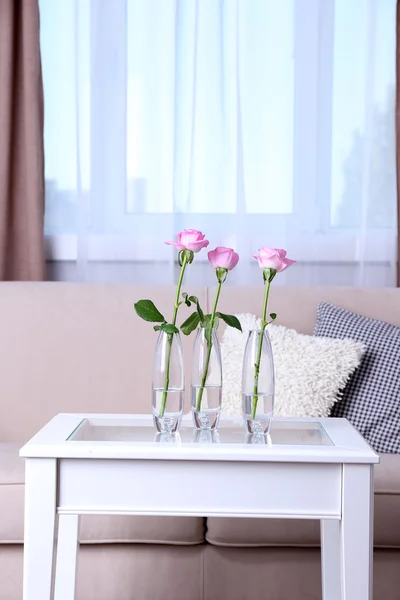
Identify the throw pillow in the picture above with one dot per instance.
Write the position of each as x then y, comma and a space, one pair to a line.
310, 372
371, 399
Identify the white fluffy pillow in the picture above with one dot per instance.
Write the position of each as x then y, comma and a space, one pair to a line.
310, 372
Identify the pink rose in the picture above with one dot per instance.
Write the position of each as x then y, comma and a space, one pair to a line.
190, 239
223, 258
273, 258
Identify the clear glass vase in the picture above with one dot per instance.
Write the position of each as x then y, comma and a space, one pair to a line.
258, 383
206, 384
168, 383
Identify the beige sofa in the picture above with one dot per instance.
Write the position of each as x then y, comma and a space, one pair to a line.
81, 348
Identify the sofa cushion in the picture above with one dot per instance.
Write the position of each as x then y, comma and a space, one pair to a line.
371, 398
310, 372
94, 528
293, 532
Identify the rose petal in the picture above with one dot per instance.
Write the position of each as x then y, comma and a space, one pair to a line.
286, 262
190, 236
197, 246
224, 258
280, 253
176, 244
267, 251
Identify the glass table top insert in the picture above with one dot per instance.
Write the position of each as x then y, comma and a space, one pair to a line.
137, 431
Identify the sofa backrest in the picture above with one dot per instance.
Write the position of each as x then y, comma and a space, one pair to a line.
71, 347
296, 306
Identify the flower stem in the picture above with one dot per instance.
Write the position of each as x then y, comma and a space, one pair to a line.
170, 336
209, 348
260, 342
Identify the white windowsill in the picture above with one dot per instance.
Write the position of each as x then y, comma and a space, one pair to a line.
343, 246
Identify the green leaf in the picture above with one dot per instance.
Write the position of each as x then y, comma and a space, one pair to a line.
207, 326
273, 316
230, 320
207, 321
197, 303
216, 322
157, 327
147, 311
190, 324
186, 299
169, 328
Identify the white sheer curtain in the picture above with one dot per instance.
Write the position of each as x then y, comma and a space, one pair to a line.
259, 122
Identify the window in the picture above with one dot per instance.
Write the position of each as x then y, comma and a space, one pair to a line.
250, 120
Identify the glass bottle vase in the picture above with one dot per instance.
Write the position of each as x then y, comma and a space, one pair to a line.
168, 383
258, 383
206, 384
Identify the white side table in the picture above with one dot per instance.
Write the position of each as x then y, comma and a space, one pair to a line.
91, 464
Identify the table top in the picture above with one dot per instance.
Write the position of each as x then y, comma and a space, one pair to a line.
134, 437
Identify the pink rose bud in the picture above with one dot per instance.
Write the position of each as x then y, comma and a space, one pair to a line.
223, 258
190, 239
273, 258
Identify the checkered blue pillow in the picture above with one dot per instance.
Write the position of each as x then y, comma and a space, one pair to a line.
371, 398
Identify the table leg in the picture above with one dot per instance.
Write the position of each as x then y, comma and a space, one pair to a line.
330, 558
67, 556
356, 532
40, 527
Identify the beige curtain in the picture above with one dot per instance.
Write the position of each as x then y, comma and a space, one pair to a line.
398, 133
21, 143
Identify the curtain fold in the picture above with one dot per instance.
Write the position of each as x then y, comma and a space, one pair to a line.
21, 143
398, 134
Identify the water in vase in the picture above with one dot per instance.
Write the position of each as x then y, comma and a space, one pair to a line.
167, 421
208, 415
258, 412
